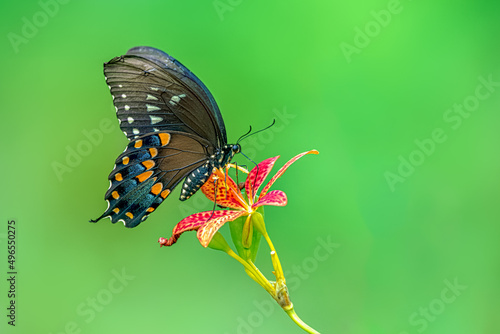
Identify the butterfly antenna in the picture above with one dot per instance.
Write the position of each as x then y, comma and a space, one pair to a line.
244, 135
248, 134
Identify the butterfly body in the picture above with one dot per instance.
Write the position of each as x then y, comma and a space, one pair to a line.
175, 130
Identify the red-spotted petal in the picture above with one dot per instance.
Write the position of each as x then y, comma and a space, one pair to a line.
207, 231
282, 170
191, 223
222, 187
257, 175
274, 197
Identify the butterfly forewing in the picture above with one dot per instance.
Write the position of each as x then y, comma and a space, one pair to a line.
149, 98
191, 81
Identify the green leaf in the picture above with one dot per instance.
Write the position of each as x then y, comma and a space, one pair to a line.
219, 243
247, 236
236, 228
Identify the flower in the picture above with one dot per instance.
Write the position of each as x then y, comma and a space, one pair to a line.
220, 188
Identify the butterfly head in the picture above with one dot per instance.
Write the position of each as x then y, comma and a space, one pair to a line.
226, 154
235, 149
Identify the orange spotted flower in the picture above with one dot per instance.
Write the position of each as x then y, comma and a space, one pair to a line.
227, 194
245, 232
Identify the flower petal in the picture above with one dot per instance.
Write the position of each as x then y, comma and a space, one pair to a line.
207, 231
257, 175
227, 193
191, 223
282, 170
274, 197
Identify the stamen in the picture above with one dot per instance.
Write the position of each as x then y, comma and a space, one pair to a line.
244, 170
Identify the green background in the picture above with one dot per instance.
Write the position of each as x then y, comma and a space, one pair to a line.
396, 246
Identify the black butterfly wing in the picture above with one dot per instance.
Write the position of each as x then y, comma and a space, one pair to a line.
153, 92
174, 126
147, 171
169, 63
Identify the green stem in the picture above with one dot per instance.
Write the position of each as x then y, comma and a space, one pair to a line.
291, 313
280, 276
278, 290
256, 275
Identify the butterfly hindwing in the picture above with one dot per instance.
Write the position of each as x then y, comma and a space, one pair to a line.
146, 172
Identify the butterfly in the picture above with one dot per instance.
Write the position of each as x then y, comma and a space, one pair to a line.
175, 129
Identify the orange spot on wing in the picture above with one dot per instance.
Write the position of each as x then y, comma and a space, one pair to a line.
118, 177
116, 210
125, 160
138, 143
148, 164
165, 193
130, 215
115, 194
144, 176
164, 138
157, 188
150, 209
153, 151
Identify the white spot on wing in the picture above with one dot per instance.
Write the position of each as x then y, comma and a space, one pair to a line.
127, 107
130, 120
176, 98
124, 96
151, 97
156, 129
155, 88
150, 107
120, 86
135, 131
155, 119
108, 205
